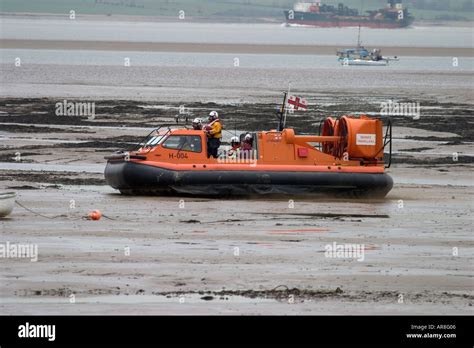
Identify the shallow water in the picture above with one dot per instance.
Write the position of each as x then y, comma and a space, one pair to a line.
228, 85
224, 60
223, 78
65, 29
35, 167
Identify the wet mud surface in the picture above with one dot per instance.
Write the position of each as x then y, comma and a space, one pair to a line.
29, 118
190, 254
445, 117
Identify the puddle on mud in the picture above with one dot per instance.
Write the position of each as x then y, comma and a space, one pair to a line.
87, 168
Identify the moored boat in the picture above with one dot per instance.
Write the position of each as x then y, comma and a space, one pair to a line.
7, 202
362, 56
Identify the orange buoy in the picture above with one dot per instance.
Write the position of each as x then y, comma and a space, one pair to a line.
95, 215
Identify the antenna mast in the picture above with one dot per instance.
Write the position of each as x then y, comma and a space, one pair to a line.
359, 44
358, 39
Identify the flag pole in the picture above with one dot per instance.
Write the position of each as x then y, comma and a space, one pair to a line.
286, 109
282, 111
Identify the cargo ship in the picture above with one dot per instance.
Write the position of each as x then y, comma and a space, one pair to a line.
316, 14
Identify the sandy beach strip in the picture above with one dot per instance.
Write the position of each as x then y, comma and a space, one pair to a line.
221, 48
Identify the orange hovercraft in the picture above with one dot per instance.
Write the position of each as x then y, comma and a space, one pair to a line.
347, 159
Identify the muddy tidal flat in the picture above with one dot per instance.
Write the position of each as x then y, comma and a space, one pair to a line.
183, 255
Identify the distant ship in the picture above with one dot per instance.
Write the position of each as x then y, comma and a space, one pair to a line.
394, 15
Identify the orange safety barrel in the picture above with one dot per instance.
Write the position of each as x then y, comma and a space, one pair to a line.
363, 137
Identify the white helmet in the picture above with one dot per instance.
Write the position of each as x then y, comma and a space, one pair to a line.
234, 140
248, 136
213, 115
197, 121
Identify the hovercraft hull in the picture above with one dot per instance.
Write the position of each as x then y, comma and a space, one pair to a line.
138, 178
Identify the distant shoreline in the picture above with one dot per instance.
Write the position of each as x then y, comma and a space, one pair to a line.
204, 19
222, 48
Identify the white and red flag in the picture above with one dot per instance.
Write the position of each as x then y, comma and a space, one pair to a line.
297, 103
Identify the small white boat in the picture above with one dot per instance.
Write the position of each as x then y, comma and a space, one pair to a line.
7, 202
362, 56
